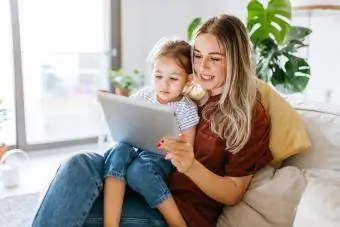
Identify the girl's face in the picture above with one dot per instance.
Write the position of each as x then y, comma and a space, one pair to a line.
209, 63
169, 80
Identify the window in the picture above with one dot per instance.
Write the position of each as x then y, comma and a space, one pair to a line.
7, 127
65, 60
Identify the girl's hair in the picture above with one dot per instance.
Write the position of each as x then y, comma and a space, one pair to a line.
232, 121
176, 49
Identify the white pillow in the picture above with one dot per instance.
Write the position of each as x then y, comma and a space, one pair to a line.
323, 128
319, 205
270, 201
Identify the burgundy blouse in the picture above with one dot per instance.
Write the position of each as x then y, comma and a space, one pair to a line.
196, 207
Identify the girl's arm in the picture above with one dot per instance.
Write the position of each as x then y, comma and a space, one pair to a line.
189, 135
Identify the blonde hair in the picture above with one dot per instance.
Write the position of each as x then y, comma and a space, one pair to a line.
232, 115
176, 49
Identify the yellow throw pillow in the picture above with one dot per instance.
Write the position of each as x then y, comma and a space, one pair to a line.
288, 134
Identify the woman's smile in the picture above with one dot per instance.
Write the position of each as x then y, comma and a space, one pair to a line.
206, 76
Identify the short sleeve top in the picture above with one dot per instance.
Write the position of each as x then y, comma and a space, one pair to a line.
185, 108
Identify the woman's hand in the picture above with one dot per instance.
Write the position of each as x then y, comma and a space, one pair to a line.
179, 152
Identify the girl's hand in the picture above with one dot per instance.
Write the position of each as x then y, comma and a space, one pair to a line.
179, 152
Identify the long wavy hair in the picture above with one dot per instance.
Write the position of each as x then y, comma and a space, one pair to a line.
231, 117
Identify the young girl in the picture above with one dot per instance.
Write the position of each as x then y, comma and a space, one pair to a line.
170, 65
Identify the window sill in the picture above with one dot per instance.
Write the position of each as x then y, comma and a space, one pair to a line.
42, 166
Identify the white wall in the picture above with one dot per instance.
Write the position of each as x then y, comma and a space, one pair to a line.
144, 22
322, 54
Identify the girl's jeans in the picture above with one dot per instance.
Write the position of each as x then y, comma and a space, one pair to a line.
143, 171
75, 198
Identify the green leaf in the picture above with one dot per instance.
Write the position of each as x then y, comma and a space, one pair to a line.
292, 46
294, 77
192, 27
296, 83
296, 66
120, 79
295, 39
278, 77
265, 53
272, 22
297, 33
266, 47
292, 84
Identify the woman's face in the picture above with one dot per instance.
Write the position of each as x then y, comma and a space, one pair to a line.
209, 63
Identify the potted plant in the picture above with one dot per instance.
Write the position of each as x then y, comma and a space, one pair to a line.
275, 43
3, 118
123, 82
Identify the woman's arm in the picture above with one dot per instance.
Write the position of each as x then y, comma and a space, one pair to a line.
226, 190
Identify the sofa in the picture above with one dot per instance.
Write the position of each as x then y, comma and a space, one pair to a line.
305, 190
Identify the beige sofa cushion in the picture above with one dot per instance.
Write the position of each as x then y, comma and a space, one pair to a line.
319, 205
270, 201
323, 127
274, 196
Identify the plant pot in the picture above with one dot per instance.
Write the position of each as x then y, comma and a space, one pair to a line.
3, 149
120, 91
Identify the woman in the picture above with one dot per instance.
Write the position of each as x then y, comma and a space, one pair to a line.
231, 145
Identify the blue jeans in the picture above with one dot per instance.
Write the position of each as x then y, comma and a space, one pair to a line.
143, 171
74, 198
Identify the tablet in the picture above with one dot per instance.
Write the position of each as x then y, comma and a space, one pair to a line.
136, 122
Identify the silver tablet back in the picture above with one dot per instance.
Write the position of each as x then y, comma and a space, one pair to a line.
138, 123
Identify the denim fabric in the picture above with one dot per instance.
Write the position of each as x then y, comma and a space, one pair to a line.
143, 171
118, 159
146, 176
74, 197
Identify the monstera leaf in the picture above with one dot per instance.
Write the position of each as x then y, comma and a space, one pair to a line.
272, 22
293, 77
192, 27
278, 64
275, 42
295, 39
298, 33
